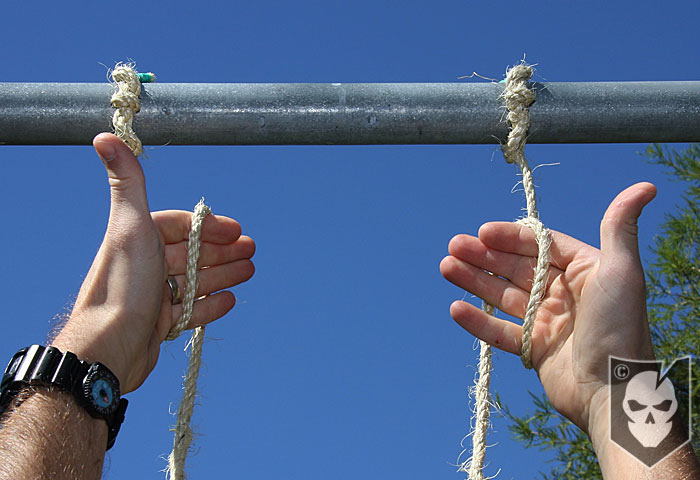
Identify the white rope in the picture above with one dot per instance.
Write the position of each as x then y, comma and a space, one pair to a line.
518, 97
127, 103
183, 432
482, 410
200, 212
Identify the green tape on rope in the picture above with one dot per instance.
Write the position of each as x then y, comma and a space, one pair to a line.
146, 77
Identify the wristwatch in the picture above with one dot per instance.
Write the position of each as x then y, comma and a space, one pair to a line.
94, 386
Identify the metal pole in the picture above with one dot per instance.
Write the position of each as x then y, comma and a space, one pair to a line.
352, 114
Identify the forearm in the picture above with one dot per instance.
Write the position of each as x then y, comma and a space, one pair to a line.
50, 436
618, 464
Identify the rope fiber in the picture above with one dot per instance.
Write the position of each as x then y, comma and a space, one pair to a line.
182, 438
518, 97
127, 103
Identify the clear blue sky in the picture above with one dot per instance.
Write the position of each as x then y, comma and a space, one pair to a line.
340, 360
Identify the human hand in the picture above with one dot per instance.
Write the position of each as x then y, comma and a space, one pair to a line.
124, 310
594, 306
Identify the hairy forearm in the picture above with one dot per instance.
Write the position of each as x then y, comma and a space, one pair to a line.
618, 464
615, 463
50, 436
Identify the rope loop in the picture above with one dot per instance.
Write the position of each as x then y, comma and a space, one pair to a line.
539, 285
518, 97
201, 210
183, 436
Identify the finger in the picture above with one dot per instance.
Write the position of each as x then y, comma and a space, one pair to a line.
220, 277
516, 268
618, 230
126, 180
499, 292
211, 254
519, 239
208, 309
494, 331
174, 226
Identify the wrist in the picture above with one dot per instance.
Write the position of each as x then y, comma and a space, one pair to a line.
614, 462
92, 386
617, 463
598, 428
86, 348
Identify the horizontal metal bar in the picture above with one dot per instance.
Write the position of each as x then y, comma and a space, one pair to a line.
352, 114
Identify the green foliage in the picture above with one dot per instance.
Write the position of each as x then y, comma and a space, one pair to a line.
673, 277
546, 429
673, 295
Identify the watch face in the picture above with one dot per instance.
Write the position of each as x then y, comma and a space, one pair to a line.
101, 390
102, 393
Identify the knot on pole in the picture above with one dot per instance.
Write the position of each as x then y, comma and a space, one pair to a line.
518, 97
126, 100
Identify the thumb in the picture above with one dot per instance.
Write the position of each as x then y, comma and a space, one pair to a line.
618, 230
126, 180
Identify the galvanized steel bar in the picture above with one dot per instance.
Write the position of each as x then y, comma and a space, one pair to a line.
352, 114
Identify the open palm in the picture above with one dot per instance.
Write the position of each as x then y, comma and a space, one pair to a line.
594, 306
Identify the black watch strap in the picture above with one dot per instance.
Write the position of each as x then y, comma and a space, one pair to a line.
39, 365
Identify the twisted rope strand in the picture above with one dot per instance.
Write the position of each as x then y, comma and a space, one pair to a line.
539, 285
183, 432
482, 411
193, 244
127, 103
518, 97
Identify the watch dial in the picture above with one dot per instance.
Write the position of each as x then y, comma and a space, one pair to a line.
101, 390
102, 393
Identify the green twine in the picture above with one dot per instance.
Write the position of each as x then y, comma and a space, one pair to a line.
146, 77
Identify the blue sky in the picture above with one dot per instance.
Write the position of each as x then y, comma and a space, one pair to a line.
340, 358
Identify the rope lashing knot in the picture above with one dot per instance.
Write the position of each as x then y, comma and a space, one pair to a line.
127, 103
518, 97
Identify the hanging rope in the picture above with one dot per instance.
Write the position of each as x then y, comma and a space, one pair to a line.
482, 409
518, 97
183, 432
127, 103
